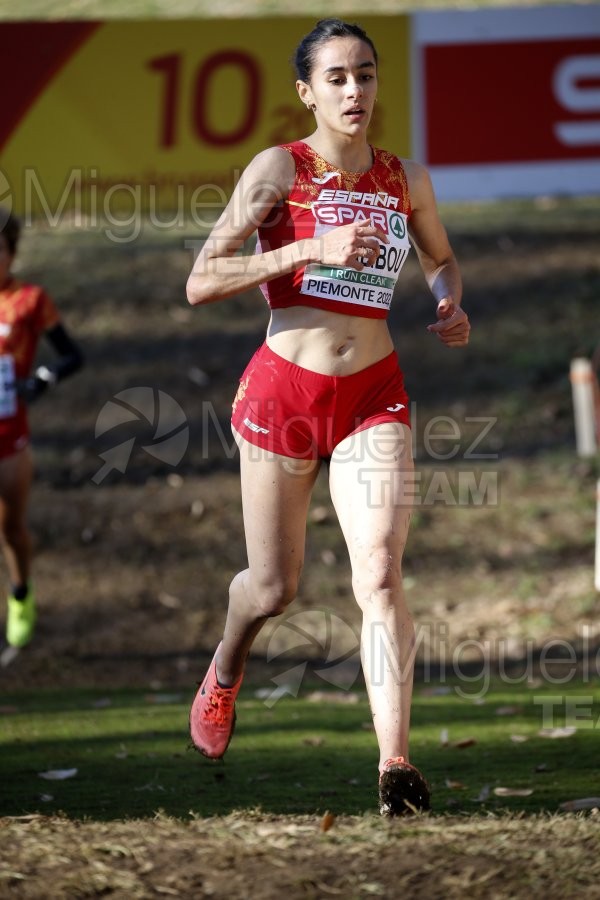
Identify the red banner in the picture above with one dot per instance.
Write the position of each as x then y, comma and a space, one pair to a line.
512, 101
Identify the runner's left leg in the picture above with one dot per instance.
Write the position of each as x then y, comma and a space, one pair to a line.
371, 483
16, 473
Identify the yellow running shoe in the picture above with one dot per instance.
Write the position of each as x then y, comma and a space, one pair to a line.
20, 621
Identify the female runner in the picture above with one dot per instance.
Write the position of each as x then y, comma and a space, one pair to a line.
26, 313
333, 217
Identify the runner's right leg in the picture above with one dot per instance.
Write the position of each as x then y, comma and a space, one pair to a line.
276, 494
16, 473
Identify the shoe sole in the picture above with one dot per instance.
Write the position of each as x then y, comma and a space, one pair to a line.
403, 791
205, 753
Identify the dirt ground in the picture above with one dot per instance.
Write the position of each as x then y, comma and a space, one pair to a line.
132, 569
264, 858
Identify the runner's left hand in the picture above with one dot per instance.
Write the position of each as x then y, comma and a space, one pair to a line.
452, 326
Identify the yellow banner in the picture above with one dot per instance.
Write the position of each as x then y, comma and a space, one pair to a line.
155, 115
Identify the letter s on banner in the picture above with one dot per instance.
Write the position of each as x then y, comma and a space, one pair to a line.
572, 93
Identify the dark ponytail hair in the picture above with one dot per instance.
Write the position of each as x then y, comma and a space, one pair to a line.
323, 31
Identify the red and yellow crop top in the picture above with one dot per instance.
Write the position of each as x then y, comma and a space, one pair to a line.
323, 197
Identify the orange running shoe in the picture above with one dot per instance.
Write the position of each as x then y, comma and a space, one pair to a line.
402, 789
212, 716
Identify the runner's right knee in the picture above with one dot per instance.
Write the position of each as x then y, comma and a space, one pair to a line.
273, 595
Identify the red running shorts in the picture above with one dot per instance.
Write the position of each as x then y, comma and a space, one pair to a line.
295, 412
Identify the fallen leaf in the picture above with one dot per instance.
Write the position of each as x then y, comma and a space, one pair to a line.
582, 803
319, 514
567, 731
465, 742
327, 821
58, 774
509, 710
313, 741
455, 785
262, 693
197, 510
198, 376
518, 738
169, 601
8, 656
513, 792
328, 557
483, 795
439, 691
343, 697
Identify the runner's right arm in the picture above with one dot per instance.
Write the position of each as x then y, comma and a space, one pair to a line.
219, 272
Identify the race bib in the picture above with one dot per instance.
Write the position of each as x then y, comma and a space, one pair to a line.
374, 285
8, 387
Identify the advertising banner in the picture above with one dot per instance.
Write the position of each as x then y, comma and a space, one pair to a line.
152, 116
507, 101
164, 113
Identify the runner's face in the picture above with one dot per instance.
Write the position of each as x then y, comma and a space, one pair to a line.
343, 85
5, 260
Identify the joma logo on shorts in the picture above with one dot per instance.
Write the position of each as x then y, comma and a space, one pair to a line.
253, 427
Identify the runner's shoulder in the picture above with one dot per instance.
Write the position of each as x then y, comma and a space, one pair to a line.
418, 180
273, 167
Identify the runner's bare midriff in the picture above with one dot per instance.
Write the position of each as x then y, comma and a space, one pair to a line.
328, 342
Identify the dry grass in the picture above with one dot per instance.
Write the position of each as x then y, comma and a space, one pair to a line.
266, 857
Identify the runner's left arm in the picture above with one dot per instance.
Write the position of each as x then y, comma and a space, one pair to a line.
437, 259
70, 360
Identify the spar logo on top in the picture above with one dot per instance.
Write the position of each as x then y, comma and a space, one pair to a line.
506, 102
